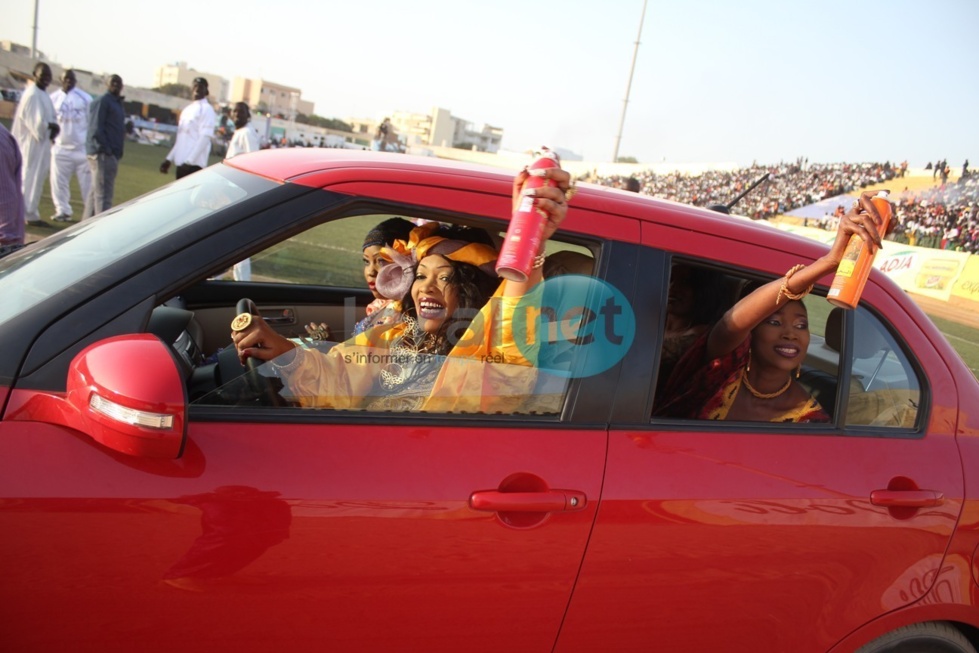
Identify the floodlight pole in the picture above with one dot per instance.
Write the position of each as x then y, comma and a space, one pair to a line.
628, 88
34, 41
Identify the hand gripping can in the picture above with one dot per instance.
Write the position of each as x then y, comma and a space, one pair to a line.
523, 237
854, 269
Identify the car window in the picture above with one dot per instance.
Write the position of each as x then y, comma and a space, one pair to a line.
328, 260
72, 256
328, 254
884, 387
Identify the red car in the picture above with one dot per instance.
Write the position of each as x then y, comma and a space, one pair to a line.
157, 496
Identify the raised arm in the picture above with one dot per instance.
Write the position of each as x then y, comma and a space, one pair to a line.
553, 202
862, 219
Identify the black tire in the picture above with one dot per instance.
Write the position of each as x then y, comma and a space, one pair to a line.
931, 637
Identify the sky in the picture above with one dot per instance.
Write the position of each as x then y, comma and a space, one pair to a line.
731, 81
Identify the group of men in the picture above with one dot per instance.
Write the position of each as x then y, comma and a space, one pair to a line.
69, 134
62, 135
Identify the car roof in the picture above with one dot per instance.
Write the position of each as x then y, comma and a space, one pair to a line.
322, 167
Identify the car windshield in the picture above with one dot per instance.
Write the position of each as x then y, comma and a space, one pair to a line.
64, 258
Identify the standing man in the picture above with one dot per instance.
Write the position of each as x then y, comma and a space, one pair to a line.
193, 143
11, 196
245, 139
68, 154
106, 136
35, 126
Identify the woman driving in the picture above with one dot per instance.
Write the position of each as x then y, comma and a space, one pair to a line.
453, 347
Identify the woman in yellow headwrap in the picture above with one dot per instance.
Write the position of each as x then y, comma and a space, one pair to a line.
454, 349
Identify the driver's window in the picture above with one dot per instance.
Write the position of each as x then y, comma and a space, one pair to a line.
329, 254
395, 360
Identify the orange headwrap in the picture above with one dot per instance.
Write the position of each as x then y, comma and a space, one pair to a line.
393, 281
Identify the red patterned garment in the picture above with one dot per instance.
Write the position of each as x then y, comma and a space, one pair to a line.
706, 390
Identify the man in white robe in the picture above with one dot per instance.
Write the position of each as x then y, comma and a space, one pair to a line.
35, 127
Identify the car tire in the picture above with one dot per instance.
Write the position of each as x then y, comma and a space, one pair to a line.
932, 637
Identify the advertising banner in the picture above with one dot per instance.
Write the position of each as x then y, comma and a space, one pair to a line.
922, 270
965, 290
941, 274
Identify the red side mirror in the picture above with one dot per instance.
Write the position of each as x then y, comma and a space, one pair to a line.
128, 395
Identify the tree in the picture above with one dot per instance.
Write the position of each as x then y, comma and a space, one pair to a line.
326, 123
176, 90
626, 159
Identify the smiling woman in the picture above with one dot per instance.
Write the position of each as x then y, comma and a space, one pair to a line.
759, 349
456, 316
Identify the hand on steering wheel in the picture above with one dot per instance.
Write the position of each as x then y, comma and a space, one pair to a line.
250, 333
254, 338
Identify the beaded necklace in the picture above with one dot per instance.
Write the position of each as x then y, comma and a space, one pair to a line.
762, 395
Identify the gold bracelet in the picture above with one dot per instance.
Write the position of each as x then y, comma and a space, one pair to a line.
784, 288
538, 262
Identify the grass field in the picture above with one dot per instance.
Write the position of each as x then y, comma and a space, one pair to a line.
139, 173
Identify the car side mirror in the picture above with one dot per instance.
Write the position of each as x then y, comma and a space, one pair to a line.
128, 395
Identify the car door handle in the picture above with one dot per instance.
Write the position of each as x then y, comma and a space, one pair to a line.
907, 498
546, 501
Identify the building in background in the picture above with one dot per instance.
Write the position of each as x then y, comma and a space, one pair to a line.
264, 96
179, 73
438, 128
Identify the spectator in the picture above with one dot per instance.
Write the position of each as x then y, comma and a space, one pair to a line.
11, 195
104, 145
68, 154
35, 127
381, 135
245, 139
790, 185
194, 131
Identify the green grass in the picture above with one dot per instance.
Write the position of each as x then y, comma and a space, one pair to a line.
329, 254
139, 173
963, 338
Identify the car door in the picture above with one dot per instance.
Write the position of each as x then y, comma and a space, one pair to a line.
757, 537
304, 530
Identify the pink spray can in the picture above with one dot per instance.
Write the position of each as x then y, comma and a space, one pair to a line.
523, 237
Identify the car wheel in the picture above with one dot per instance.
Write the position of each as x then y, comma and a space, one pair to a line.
932, 637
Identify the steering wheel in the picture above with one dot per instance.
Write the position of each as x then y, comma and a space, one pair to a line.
262, 385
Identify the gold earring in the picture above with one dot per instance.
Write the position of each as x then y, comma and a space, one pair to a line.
798, 371
747, 368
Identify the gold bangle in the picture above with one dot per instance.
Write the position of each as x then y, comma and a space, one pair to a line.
572, 189
538, 262
784, 288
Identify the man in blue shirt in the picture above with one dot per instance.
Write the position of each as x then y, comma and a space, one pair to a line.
106, 135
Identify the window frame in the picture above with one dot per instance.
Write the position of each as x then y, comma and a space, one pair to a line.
662, 261
585, 400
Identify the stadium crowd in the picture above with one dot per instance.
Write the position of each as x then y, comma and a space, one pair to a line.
946, 216
789, 186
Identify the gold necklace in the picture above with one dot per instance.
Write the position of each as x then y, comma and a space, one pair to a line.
762, 395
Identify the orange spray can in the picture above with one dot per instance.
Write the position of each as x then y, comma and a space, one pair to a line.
854, 269
523, 236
